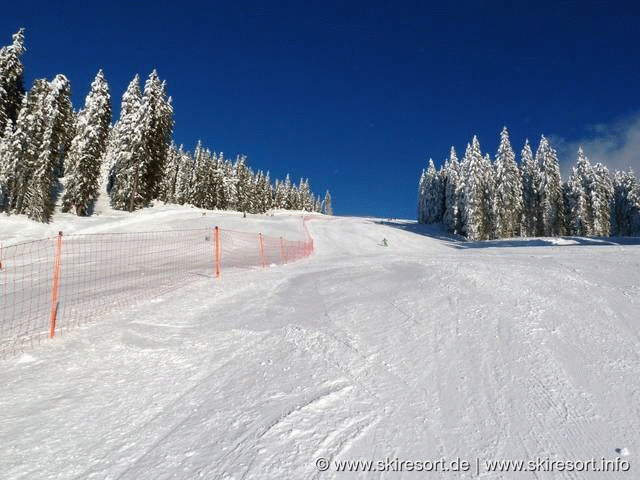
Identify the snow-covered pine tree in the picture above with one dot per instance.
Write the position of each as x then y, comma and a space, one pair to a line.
82, 169
311, 197
601, 198
244, 185
256, 197
268, 193
433, 195
470, 193
443, 177
327, 207
286, 192
38, 202
158, 128
477, 193
451, 216
625, 211
461, 192
211, 183
633, 198
11, 80
422, 197
108, 166
184, 177
530, 174
230, 182
293, 201
207, 182
571, 200
218, 181
170, 176
552, 202
281, 194
201, 172
317, 203
21, 146
257, 186
568, 204
38, 147
489, 194
306, 197
63, 121
24, 145
5, 162
264, 193
618, 205
507, 204
126, 152
291, 192
581, 183
258, 200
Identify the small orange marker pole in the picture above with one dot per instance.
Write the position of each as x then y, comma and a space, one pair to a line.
56, 280
217, 252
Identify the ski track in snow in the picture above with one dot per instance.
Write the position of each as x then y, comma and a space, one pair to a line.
416, 351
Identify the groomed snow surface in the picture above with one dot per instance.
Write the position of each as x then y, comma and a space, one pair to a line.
426, 349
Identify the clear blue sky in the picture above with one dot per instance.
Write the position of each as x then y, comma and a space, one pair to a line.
355, 96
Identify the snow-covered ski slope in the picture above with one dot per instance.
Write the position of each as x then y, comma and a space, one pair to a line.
423, 350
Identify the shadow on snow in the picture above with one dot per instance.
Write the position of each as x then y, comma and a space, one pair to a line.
458, 241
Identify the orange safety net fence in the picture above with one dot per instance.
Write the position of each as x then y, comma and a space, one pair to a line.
50, 286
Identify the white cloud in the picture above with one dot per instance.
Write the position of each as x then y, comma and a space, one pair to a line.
616, 145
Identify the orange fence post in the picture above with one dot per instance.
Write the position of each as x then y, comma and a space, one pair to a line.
56, 279
264, 260
217, 252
